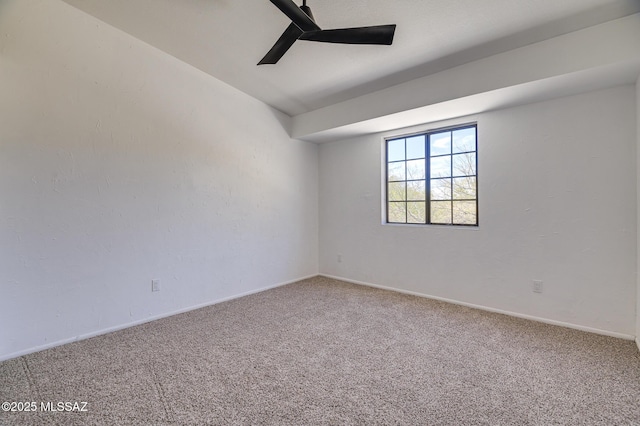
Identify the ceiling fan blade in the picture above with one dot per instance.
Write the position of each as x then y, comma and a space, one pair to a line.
381, 34
286, 40
297, 15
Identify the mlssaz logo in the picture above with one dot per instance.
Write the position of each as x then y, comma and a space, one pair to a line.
64, 406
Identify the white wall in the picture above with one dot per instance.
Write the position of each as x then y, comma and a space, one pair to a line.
119, 165
557, 201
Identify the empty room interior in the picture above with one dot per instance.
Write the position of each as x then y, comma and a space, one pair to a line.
402, 212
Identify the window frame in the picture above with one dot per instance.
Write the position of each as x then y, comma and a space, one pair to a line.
428, 179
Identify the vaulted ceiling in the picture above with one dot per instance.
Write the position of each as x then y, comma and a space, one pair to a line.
227, 38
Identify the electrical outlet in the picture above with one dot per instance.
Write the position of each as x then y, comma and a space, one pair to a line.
339, 258
155, 285
537, 286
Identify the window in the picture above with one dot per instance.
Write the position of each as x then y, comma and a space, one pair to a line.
432, 177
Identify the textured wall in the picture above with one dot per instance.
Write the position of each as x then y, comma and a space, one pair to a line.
557, 201
119, 165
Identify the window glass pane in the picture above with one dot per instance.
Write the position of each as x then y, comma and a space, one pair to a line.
396, 171
397, 212
464, 188
416, 190
395, 150
441, 167
441, 189
415, 147
464, 213
397, 191
417, 212
415, 169
440, 143
464, 164
464, 140
441, 212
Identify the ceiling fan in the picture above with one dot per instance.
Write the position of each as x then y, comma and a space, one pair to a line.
304, 27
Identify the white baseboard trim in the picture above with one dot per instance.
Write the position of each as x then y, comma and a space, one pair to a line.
145, 320
489, 309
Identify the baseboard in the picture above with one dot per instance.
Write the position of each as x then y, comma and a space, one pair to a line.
638, 342
145, 320
489, 309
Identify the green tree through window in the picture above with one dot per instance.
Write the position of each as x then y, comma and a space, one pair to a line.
432, 177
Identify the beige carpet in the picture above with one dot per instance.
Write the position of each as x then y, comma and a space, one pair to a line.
325, 352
